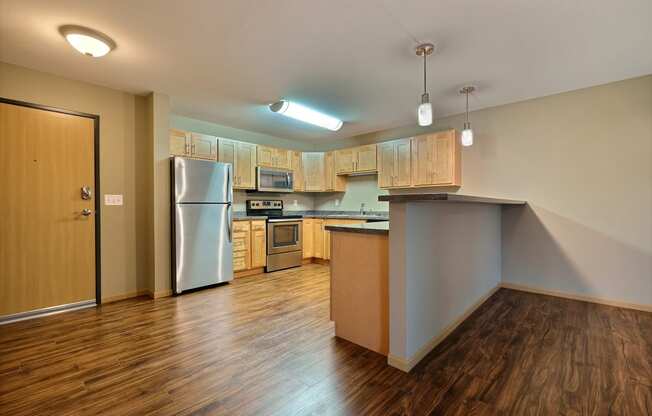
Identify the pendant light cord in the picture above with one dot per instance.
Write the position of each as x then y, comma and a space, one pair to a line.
467, 106
424, 73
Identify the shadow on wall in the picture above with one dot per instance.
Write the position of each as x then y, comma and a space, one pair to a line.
544, 250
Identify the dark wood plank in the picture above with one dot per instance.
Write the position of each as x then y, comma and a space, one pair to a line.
263, 345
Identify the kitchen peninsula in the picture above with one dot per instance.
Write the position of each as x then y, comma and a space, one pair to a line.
439, 260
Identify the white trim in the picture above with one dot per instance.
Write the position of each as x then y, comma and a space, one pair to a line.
408, 364
584, 298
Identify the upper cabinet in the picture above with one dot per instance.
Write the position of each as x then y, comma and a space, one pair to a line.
196, 145
394, 164
356, 160
428, 160
313, 171
243, 158
273, 157
436, 160
296, 164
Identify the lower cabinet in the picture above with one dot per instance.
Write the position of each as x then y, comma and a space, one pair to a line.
249, 245
317, 240
258, 244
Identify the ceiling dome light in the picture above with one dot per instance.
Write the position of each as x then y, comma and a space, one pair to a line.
424, 111
467, 132
305, 114
87, 41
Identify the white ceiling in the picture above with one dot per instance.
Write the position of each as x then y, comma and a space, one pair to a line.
222, 61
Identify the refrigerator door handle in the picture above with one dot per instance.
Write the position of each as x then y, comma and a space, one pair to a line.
229, 221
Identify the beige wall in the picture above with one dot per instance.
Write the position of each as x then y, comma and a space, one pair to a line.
122, 130
583, 161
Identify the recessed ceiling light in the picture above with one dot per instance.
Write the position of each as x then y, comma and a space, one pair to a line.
87, 41
305, 114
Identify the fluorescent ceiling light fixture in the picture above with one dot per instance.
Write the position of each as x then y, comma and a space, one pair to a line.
305, 114
87, 41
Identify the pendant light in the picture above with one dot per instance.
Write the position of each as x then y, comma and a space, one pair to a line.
424, 111
467, 132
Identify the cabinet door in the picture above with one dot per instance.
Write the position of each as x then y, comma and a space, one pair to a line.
265, 156
179, 143
313, 169
318, 238
385, 164
443, 145
297, 169
402, 163
344, 161
365, 158
329, 171
241, 245
226, 152
258, 244
203, 146
282, 159
423, 155
245, 165
308, 238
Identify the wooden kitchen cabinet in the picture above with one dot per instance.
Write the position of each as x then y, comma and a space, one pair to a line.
179, 142
333, 183
241, 245
394, 167
318, 238
297, 168
272, 157
436, 160
258, 244
242, 156
307, 237
313, 169
359, 159
203, 146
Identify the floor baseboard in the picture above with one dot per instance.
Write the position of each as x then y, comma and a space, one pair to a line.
591, 299
408, 364
116, 298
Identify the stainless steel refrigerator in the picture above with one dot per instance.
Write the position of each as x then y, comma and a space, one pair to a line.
202, 223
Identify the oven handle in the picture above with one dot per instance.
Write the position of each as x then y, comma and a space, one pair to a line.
293, 220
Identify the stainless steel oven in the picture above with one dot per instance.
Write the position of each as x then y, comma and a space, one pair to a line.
284, 245
274, 180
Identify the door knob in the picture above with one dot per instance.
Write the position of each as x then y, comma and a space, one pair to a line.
86, 212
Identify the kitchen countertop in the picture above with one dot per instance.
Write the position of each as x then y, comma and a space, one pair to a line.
446, 197
341, 215
367, 228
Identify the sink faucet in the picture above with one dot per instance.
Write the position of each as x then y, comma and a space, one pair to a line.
362, 208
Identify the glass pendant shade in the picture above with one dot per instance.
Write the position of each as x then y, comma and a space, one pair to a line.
424, 111
467, 135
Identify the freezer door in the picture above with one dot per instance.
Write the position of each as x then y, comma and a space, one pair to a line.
203, 245
199, 181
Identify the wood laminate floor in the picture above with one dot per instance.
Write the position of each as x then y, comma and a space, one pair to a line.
264, 345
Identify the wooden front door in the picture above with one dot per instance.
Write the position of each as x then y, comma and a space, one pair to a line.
47, 240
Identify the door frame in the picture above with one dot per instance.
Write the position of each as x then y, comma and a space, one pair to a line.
96, 166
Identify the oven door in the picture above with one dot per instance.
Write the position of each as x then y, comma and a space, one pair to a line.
283, 236
274, 180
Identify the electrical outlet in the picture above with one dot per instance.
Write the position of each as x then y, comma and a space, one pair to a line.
337, 202
295, 203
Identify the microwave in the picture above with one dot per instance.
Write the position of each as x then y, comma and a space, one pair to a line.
274, 180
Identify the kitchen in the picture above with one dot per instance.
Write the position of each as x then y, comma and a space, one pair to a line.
325, 208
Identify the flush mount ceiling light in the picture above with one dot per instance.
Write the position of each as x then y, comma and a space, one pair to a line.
467, 132
305, 114
87, 41
424, 111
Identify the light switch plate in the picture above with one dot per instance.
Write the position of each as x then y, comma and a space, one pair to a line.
112, 199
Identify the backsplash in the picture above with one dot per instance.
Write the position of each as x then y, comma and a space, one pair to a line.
304, 202
359, 189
